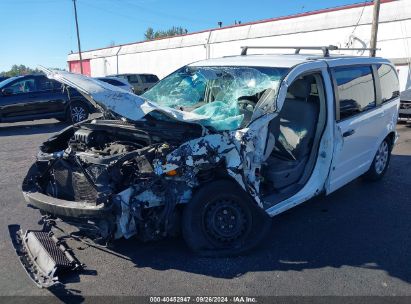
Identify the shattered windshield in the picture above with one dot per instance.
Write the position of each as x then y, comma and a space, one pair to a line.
226, 96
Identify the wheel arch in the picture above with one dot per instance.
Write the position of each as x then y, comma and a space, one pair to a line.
392, 137
210, 175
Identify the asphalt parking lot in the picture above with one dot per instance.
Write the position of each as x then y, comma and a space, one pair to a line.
356, 241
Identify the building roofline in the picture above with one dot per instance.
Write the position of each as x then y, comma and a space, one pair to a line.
292, 16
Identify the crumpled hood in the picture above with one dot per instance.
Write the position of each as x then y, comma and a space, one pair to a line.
119, 101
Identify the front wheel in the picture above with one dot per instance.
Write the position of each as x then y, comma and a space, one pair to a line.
223, 220
77, 112
381, 161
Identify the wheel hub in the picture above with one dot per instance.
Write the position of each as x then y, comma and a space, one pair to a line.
78, 114
381, 157
225, 220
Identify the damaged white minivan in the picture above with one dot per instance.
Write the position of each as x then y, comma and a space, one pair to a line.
216, 147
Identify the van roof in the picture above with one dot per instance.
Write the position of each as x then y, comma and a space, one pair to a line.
286, 60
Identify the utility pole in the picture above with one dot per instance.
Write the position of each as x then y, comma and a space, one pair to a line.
78, 37
374, 29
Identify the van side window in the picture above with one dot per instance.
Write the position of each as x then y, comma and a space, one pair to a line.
389, 82
356, 90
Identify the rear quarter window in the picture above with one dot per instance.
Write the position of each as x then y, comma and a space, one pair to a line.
355, 90
388, 82
45, 84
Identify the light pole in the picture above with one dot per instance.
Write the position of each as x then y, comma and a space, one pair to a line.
374, 29
78, 37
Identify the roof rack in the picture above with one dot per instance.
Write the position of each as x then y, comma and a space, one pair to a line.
325, 49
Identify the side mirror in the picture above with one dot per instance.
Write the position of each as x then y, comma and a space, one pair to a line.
7, 91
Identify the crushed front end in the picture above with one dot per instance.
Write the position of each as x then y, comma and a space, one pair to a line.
100, 176
131, 172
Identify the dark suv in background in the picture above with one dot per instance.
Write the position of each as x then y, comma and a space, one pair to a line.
140, 82
33, 97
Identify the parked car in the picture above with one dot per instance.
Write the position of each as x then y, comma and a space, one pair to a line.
33, 97
140, 82
216, 148
117, 82
3, 78
405, 105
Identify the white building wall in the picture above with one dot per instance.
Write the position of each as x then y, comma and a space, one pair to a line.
161, 62
345, 27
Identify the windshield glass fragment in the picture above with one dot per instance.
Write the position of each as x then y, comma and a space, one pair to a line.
226, 96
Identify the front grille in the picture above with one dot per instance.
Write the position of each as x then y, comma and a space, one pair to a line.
71, 184
405, 105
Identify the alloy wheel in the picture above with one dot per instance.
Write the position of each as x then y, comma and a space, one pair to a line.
381, 158
78, 114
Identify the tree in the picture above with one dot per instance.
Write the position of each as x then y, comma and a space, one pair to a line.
174, 31
17, 70
149, 34
21, 69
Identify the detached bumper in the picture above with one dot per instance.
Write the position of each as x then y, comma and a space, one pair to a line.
65, 208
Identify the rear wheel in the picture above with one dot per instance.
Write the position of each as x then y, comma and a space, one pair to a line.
381, 161
223, 220
62, 119
77, 112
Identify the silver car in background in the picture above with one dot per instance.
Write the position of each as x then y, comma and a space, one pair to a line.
117, 82
140, 82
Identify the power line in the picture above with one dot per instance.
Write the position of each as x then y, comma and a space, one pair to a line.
164, 14
359, 19
151, 11
356, 25
114, 12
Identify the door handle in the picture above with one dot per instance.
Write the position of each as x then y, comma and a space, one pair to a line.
348, 133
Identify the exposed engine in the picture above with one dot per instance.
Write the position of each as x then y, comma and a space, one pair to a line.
112, 164
95, 165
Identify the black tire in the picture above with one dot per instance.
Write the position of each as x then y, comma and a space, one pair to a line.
77, 111
381, 161
61, 119
222, 220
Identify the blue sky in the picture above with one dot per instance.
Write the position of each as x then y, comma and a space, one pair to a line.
42, 32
